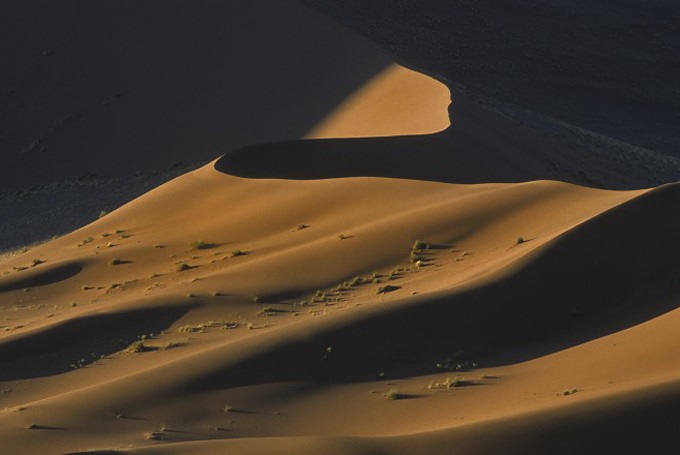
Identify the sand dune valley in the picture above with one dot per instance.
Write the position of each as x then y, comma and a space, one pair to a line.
314, 240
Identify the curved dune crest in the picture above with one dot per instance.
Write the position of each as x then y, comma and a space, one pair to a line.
396, 102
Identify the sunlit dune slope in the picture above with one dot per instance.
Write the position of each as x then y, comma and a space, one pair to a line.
244, 326
396, 102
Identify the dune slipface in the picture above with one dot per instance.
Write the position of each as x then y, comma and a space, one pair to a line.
342, 295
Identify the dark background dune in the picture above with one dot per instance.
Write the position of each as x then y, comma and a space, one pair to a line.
607, 66
102, 101
109, 88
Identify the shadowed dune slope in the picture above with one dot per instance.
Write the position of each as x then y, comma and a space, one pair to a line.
622, 423
97, 87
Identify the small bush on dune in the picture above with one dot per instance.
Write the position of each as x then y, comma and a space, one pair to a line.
566, 393
200, 245
455, 381
136, 347
393, 394
420, 245
85, 241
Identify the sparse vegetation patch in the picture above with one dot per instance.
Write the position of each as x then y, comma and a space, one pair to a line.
136, 347
182, 266
223, 325
270, 311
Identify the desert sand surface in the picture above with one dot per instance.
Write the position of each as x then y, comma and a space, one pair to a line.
411, 273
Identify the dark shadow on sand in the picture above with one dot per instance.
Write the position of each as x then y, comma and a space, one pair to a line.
79, 341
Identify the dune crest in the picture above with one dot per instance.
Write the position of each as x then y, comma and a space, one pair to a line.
396, 102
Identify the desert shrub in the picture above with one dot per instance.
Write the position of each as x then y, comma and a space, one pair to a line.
199, 245
455, 381
393, 394
566, 393
269, 311
420, 245
357, 280
86, 240
136, 347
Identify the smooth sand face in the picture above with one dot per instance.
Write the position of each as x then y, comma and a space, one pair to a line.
221, 314
398, 101
316, 364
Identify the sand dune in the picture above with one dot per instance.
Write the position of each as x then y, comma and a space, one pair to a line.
101, 103
342, 294
611, 72
476, 290
150, 84
396, 102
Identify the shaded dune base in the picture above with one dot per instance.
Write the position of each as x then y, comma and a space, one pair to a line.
535, 318
623, 425
57, 348
479, 146
43, 278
